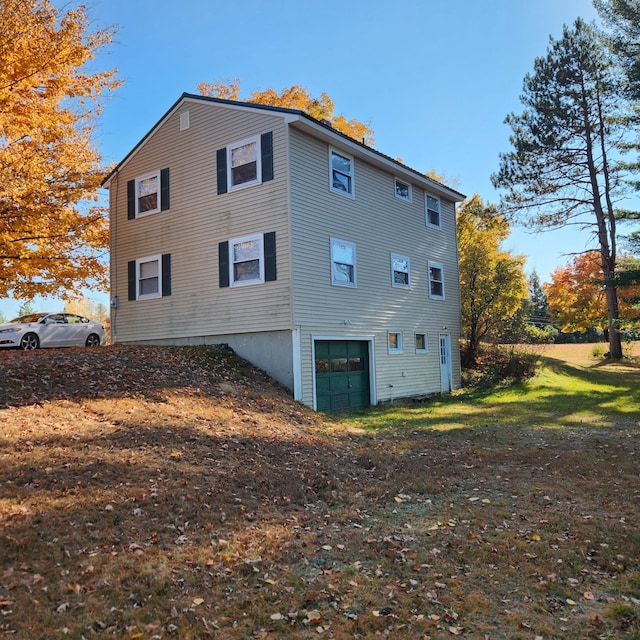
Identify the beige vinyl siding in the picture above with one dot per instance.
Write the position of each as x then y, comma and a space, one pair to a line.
196, 222
379, 224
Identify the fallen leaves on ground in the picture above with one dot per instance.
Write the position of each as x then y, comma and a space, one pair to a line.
158, 492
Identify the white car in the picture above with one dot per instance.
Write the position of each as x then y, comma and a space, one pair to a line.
51, 330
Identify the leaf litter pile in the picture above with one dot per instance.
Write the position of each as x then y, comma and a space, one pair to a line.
178, 492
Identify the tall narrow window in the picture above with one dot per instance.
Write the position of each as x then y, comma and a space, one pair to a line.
400, 271
433, 211
343, 263
148, 277
436, 281
341, 173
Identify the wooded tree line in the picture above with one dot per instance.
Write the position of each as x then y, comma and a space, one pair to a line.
574, 156
575, 145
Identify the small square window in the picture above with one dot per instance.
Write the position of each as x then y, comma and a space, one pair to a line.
422, 346
246, 264
395, 342
243, 162
148, 194
341, 173
148, 278
343, 263
436, 281
433, 211
400, 276
403, 190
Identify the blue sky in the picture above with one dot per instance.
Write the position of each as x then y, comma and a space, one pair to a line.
435, 79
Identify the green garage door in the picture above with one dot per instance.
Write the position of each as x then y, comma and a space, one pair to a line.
342, 374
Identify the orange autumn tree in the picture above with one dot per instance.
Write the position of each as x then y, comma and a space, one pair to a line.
577, 298
53, 236
295, 97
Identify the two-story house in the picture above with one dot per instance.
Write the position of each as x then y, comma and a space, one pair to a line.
324, 262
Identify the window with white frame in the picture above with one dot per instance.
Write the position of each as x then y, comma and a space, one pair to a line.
149, 277
436, 281
148, 194
433, 210
246, 263
402, 190
400, 275
394, 342
343, 263
422, 346
243, 163
341, 173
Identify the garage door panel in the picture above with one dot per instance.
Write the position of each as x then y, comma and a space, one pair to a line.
342, 374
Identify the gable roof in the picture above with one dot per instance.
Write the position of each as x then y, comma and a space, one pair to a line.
303, 121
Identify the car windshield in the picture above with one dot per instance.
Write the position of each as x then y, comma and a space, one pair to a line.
32, 317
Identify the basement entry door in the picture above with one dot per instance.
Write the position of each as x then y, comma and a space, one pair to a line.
342, 374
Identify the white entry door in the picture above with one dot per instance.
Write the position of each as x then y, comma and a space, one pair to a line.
445, 363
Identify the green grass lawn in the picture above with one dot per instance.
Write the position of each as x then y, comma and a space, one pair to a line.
561, 395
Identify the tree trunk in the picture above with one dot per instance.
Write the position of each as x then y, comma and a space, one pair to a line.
470, 352
615, 344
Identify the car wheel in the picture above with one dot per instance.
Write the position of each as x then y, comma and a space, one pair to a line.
29, 341
93, 340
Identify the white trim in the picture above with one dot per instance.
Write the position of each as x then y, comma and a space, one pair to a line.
409, 196
146, 176
149, 296
351, 193
426, 342
397, 256
338, 283
371, 344
235, 145
296, 350
436, 265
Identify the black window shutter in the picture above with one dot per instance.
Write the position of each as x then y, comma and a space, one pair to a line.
269, 256
266, 148
223, 264
164, 190
221, 162
131, 279
166, 274
131, 199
